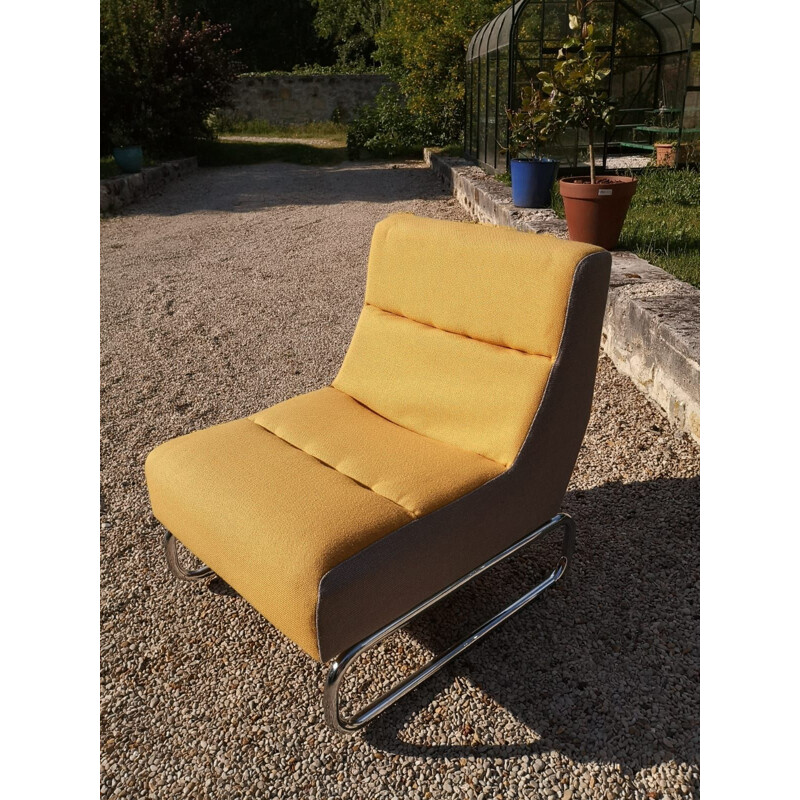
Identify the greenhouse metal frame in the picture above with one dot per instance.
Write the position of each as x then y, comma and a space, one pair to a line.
654, 58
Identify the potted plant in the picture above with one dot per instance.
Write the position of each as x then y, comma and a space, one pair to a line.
669, 154
532, 126
595, 207
128, 157
665, 153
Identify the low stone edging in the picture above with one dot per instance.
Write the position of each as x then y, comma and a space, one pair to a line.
651, 329
125, 189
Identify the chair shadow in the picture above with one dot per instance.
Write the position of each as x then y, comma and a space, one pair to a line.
602, 667
219, 587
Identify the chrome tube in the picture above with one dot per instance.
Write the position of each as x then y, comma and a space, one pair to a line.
341, 664
170, 547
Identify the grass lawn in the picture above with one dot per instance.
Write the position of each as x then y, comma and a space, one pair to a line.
663, 222
228, 151
333, 131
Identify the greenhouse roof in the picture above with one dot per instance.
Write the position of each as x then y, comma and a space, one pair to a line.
670, 20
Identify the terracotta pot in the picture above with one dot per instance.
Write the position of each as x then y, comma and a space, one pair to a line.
668, 155
596, 211
665, 155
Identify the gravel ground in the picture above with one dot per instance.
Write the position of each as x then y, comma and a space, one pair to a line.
240, 287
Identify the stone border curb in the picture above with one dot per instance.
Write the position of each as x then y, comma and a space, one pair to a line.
651, 329
125, 189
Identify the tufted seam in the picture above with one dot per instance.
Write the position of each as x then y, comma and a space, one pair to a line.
456, 333
413, 513
417, 433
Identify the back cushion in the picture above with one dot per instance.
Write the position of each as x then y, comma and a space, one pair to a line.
459, 330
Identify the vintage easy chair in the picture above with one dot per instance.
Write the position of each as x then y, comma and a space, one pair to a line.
444, 445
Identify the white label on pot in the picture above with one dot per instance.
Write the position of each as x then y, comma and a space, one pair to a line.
604, 192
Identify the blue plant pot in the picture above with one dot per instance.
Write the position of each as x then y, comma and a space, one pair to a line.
531, 181
129, 159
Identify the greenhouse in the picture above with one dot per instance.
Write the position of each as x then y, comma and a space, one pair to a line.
654, 58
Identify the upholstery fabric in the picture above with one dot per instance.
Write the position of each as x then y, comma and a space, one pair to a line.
459, 330
405, 567
491, 283
472, 360
269, 519
477, 396
417, 473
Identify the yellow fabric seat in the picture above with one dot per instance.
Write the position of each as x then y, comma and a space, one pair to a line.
321, 468
417, 473
450, 431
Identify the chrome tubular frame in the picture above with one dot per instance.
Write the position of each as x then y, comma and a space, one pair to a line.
342, 663
170, 547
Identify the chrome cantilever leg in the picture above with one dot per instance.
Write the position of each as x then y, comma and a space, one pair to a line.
170, 547
342, 663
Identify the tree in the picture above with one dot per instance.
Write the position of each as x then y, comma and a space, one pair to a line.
578, 83
423, 46
160, 76
269, 34
353, 26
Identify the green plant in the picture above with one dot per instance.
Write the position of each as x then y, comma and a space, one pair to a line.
422, 45
352, 25
664, 117
389, 127
269, 34
160, 76
534, 124
577, 83
109, 168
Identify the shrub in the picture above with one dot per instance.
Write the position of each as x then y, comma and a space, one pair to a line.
269, 34
160, 76
389, 128
422, 44
534, 124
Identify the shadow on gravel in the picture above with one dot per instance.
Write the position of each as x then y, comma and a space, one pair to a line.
250, 188
604, 667
218, 586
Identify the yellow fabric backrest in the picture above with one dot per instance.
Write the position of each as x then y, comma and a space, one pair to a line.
459, 330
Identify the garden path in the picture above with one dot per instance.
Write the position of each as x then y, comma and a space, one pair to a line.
240, 287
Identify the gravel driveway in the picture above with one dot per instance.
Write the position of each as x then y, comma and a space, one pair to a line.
240, 287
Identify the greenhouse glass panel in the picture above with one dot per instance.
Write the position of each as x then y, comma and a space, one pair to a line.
654, 57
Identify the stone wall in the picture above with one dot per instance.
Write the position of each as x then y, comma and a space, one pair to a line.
292, 99
651, 329
125, 189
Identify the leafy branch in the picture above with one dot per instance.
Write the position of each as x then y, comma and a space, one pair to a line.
534, 123
577, 84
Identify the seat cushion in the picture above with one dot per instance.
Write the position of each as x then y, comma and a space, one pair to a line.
415, 472
271, 514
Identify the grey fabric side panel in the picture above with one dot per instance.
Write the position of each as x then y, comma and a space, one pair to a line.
392, 575
548, 455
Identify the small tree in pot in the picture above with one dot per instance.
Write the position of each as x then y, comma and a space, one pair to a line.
532, 127
595, 209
